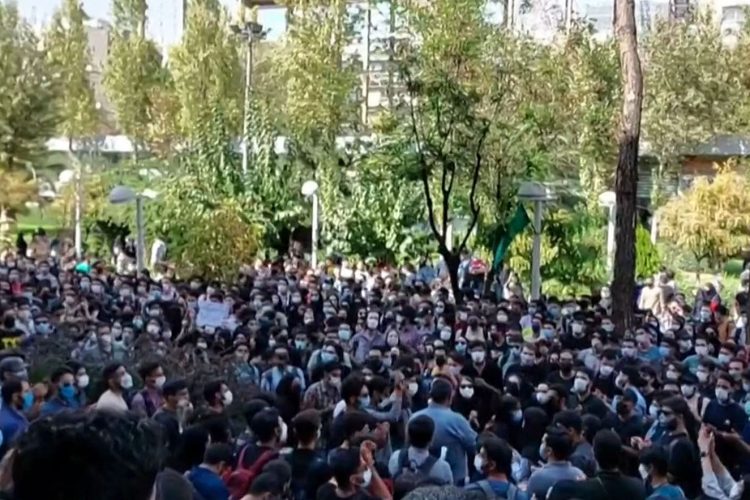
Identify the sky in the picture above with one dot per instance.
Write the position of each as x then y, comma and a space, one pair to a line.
165, 20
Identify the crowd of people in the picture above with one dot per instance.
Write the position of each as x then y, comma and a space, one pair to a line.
355, 381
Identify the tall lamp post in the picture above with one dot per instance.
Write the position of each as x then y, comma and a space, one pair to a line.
607, 200
539, 194
249, 31
124, 194
310, 190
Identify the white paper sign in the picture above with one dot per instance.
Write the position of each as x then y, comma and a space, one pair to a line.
211, 313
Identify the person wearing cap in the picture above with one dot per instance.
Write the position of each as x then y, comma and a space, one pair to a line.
452, 430
13, 368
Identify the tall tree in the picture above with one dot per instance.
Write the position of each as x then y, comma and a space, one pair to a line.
27, 92
67, 50
133, 71
206, 68
130, 16
626, 176
691, 91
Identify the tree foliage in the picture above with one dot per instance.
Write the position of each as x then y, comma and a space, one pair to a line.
27, 90
134, 71
711, 220
206, 68
67, 51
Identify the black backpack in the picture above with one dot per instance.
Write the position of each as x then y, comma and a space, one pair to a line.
409, 471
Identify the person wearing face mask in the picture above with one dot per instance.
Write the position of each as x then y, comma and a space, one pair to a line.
466, 399
63, 394
557, 447
564, 375
280, 367
583, 453
701, 354
16, 397
723, 413
117, 380
363, 342
654, 468
81, 381
245, 372
355, 476
324, 394
481, 367
149, 399
576, 339
494, 463
583, 397
695, 400
627, 382
507, 420
174, 411
527, 368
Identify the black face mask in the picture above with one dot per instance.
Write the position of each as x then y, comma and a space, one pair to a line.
375, 364
566, 367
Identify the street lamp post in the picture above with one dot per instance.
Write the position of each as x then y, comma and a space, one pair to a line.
607, 200
310, 190
538, 194
250, 31
125, 194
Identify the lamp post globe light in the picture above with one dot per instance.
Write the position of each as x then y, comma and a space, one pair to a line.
310, 190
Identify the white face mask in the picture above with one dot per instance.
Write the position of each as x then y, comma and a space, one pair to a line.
702, 376
701, 350
445, 335
284, 431
372, 324
606, 370
643, 471
543, 397
412, 388
478, 463
580, 385
722, 395
366, 478
126, 381
83, 381
227, 398
478, 356
466, 392
159, 382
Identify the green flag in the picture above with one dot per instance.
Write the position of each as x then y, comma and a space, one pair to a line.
517, 224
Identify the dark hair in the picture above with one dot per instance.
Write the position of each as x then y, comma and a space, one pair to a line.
10, 387
591, 425
344, 462
353, 422
569, 419
560, 442
109, 371
377, 384
607, 449
500, 452
441, 391
421, 429
657, 458
190, 449
172, 387
266, 483
217, 453
264, 424
147, 369
351, 386
211, 389
87, 456
252, 407
306, 425
59, 372
279, 468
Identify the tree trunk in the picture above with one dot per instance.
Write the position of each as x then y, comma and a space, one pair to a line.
626, 178
452, 261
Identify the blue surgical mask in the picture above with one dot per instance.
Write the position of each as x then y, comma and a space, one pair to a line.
364, 401
28, 400
327, 357
68, 392
461, 348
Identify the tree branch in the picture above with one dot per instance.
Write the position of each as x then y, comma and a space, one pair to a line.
474, 181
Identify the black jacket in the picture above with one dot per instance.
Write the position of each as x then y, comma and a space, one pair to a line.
605, 485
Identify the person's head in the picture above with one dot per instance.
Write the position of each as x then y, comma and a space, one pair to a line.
494, 458
266, 426
175, 393
91, 455
282, 470
582, 382
557, 444
217, 394
572, 422
356, 424
441, 392
13, 367
347, 468
478, 352
654, 463
591, 425
265, 486
219, 457
306, 425
152, 375
253, 407
607, 449
16, 394
724, 383
63, 383
421, 430
116, 377
352, 389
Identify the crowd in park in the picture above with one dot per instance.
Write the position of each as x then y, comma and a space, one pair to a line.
355, 380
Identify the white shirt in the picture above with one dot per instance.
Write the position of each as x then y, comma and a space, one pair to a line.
112, 402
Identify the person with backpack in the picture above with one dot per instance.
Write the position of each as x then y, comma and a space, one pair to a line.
269, 432
494, 462
309, 467
206, 477
414, 463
